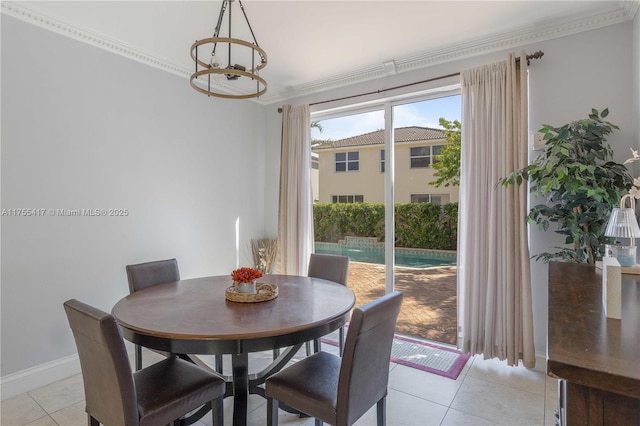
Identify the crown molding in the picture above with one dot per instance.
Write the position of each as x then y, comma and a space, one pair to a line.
20, 10
630, 7
621, 11
475, 48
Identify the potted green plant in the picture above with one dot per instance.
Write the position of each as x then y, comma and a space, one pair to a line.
581, 185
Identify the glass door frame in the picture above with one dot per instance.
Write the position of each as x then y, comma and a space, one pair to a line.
389, 201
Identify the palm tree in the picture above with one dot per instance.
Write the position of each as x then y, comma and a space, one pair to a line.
314, 142
317, 125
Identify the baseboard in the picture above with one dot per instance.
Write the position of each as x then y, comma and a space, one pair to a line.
541, 363
40, 375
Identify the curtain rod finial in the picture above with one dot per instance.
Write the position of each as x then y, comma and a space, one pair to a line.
536, 55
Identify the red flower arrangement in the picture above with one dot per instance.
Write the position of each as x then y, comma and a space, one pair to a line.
245, 275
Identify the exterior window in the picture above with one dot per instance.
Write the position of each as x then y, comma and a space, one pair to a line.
426, 198
382, 161
347, 161
347, 198
422, 156
435, 150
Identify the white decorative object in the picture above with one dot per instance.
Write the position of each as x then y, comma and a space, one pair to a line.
612, 287
265, 292
264, 252
623, 224
248, 288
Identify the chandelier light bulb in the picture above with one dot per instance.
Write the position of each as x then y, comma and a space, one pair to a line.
214, 62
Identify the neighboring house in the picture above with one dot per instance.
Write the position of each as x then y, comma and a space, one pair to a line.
352, 169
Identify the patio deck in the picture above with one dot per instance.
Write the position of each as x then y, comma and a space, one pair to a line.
429, 306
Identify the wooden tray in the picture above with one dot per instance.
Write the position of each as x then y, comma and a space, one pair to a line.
265, 292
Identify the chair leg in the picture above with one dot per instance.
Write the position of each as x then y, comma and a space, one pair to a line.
341, 339
138, 357
381, 409
316, 347
217, 411
318, 422
218, 362
272, 412
91, 421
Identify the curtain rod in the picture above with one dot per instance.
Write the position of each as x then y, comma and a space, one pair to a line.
537, 55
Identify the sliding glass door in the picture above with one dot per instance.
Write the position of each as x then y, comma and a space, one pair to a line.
348, 169
379, 199
425, 200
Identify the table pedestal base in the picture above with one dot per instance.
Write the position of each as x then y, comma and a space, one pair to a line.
241, 384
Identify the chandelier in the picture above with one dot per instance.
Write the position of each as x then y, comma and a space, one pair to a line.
244, 60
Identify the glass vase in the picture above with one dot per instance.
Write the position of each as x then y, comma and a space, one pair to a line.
626, 255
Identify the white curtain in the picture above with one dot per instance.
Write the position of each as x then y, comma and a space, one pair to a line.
494, 284
295, 214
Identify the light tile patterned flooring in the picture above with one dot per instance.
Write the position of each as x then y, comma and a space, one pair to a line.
487, 392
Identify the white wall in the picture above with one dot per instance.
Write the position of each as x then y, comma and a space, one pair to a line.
86, 129
591, 69
577, 72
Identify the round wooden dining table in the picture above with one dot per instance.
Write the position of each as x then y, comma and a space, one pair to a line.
192, 316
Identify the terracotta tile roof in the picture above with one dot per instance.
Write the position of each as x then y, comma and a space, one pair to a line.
402, 134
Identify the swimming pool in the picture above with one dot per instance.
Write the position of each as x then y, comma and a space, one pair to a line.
413, 258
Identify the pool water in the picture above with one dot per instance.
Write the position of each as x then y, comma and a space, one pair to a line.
408, 259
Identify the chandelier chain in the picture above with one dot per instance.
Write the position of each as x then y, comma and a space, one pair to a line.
216, 32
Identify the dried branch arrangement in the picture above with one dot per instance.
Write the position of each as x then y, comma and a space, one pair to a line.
264, 253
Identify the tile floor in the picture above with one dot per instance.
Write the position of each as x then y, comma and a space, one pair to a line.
487, 392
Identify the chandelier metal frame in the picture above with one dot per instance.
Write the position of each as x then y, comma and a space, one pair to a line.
231, 71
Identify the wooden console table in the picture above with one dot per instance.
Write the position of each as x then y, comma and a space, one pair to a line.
597, 358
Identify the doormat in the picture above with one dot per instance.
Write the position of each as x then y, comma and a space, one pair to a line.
440, 360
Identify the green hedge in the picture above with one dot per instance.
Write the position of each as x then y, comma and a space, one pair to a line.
418, 225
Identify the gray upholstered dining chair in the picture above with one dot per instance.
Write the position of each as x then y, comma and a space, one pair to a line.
148, 274
333, 268
156, 395
143, 275
338, 390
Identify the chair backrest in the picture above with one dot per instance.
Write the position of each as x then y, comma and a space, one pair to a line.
148, 274
108, 383
329, 267
364, 372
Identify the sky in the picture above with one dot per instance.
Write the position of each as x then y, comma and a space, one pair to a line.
424, 114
